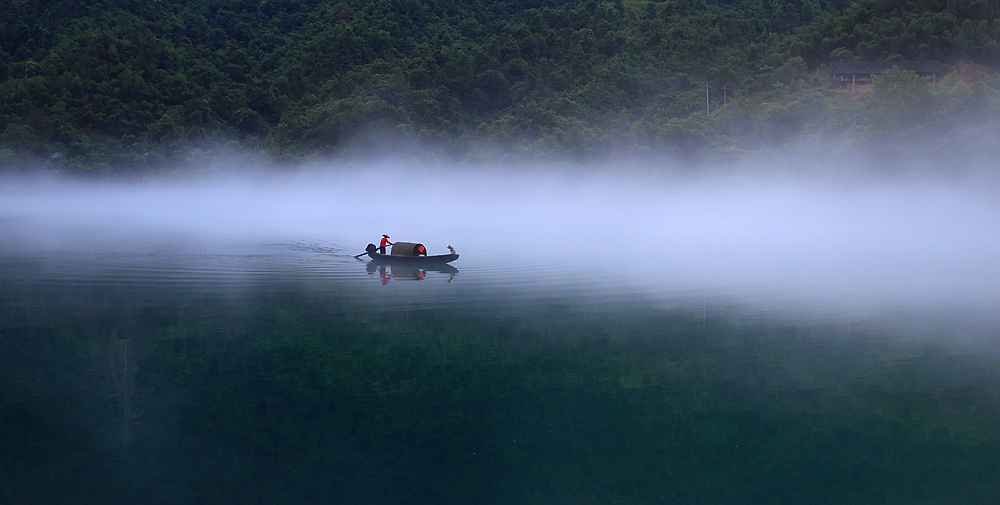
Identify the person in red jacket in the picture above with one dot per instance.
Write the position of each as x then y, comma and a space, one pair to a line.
385, 242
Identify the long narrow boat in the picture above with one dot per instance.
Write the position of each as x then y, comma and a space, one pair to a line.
409, 258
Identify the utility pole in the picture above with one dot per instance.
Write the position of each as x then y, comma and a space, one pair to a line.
708, 111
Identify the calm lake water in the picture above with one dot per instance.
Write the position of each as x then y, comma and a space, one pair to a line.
601, 340
290, 372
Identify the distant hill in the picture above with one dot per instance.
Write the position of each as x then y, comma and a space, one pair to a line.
132, 83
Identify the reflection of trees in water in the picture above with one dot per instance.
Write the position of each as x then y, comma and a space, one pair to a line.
122, 386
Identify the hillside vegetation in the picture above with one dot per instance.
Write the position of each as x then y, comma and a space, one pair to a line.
130, 83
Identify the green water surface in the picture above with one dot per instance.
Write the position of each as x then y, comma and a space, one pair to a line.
161, 388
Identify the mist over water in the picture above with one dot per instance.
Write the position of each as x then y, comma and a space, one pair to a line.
632, 336
841, 243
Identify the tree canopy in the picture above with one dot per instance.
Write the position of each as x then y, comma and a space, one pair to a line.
129, 83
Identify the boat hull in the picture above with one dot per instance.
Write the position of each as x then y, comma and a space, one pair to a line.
412, 260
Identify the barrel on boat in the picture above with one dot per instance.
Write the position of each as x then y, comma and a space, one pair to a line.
408, 249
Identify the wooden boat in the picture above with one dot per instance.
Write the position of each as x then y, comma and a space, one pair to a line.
409, 253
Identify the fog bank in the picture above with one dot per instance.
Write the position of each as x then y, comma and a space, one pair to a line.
850, 240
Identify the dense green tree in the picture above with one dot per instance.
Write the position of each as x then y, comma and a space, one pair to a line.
116, 81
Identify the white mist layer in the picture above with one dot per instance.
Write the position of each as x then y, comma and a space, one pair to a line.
907, 242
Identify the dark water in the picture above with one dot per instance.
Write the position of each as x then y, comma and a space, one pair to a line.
291, 373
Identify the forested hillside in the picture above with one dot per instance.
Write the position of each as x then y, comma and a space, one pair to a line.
137, 83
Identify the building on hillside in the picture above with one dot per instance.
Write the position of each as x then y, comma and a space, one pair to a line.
856, 77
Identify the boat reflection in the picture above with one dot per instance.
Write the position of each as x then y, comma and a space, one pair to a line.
387, 272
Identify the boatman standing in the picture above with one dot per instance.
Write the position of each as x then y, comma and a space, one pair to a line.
385, 242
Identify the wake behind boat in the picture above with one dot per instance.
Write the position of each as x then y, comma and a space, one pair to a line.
409, 253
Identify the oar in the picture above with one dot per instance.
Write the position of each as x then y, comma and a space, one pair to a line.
360, 255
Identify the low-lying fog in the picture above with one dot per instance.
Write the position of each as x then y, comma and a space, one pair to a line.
909, 241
